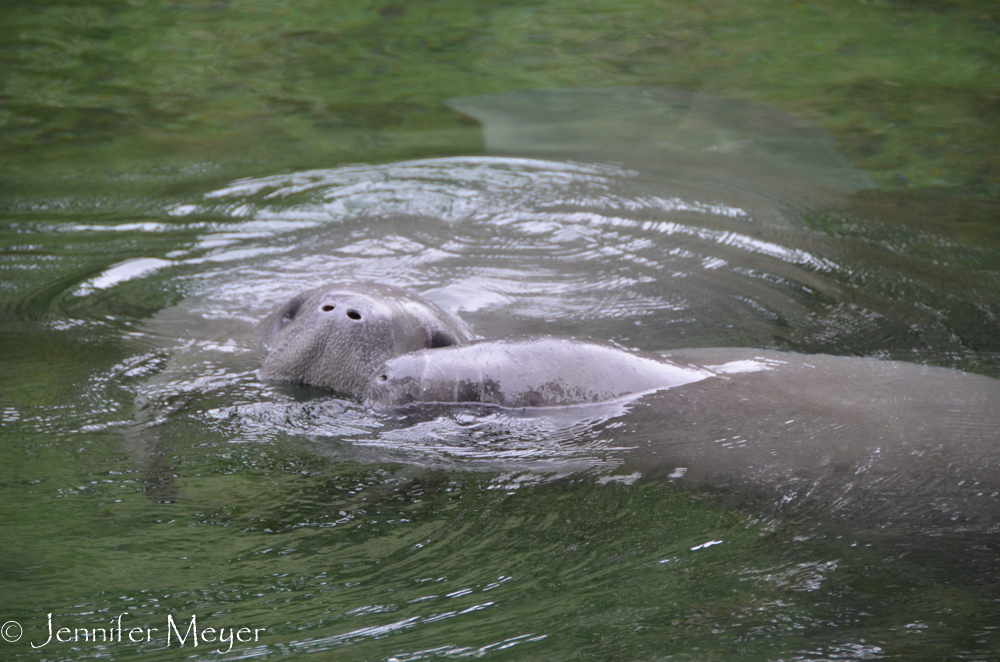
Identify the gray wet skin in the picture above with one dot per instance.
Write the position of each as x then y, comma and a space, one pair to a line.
883, 442
336, 336
545, 371
537, 371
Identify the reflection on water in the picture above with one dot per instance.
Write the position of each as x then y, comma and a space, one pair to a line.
591, 250
177, 482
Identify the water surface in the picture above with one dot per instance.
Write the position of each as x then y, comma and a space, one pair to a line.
148, 471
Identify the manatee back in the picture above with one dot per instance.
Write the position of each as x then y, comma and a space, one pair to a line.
536, 371
336, 336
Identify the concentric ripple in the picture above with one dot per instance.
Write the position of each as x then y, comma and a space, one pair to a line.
515, 246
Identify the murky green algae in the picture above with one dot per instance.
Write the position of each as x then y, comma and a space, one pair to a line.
149, 89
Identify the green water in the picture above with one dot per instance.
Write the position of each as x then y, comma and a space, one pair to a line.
150, 90
112, 113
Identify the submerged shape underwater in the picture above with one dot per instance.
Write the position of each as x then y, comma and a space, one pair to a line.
818, 478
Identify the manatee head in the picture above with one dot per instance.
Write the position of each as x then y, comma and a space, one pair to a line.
336, 336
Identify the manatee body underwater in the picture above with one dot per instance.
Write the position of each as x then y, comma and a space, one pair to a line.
886, 442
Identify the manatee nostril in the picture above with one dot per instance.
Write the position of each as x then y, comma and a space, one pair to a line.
383, 378
328, 307
442, 339
353, 314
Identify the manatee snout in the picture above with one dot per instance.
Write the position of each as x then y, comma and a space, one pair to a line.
336, 336
385, 390
429, 379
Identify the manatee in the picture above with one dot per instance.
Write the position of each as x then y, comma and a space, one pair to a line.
533, 371
653, 128
336, 336
883, 443
546, 371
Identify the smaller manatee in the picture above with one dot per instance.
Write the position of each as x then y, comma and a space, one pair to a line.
531, 371
336, 336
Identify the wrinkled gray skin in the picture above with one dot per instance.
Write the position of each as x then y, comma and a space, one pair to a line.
336, 336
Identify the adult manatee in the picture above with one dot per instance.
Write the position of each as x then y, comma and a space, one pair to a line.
336, 336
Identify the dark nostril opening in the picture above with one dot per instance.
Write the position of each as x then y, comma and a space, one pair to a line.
442, 339
353, 314
383, 378
328, 307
